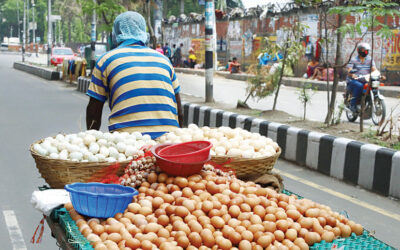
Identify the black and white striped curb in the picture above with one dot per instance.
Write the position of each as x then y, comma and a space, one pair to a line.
83, 84
370, 166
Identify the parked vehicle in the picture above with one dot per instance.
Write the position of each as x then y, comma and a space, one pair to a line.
375, 107
58, 54
4, 47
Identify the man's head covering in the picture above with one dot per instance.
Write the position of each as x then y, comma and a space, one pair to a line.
130, 25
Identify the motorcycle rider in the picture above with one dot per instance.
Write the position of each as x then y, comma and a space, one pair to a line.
358, 66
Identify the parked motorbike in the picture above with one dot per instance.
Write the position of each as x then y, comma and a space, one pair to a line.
375, 107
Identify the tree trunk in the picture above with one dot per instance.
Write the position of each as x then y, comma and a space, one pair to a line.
305, 111
338, 59
69, 31
152, 36
280, 77
326, 54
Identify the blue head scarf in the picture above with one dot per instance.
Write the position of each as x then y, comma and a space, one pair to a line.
129, 26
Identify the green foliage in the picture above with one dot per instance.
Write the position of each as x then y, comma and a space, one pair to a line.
304, 95
263, 83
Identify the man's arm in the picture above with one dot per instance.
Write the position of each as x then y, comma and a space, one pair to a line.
180, 113
93, 114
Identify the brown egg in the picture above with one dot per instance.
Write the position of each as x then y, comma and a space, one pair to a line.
217, 222
311, 238
259, 210
116, 237
247, 235
264, 241
291, 234
235, 238
270, 217
358, 229
346, 231
245, 245
234, 211
195, 239
282, 225
195, 226
328, 236
207, 238
269, 226
294, 214
235, 187
280, 215
306, 222
279, 235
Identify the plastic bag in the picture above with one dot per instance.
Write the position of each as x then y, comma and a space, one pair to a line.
45, 201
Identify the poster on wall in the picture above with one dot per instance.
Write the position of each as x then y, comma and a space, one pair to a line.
391, 49
235, 49
199, 50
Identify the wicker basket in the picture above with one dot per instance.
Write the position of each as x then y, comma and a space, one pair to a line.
246, 166
58, 173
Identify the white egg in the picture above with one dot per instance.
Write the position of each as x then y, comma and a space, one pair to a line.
63, 155
146, 137
61, 146
100, 157
121, 157
269, 148
94, 148
110, 159
137, 135
248, 153
60, 137
84, 150
255, 136
186, 138
275, 145
70, 137
198, 136
82, 134
129, 158
220, 151
108, 136
87, 155
54, 156
130, 141
234, 143
73, 148
84, 161
104, 151
117, 137
53, 150
40, 150
88, 139
177, 141
102, 142
46, 145
234, 152
113, 152
193, 126
131, 150
92, 158
77, 141
98, 134
257, 144
76, 156
121, 147
171, 136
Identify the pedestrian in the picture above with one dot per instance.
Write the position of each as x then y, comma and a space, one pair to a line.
167, 51
178, 56
192, 58
159, 49
173, 54
139, 83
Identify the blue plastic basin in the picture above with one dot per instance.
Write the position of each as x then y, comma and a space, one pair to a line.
100, 200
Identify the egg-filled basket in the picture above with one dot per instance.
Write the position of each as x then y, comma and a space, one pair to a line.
247, 166
58, 173
242, 151
65, 159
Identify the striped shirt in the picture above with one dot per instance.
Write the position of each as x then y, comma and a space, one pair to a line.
359, 67
140, 85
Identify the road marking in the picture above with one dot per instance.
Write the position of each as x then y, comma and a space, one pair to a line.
340, 195
17, 240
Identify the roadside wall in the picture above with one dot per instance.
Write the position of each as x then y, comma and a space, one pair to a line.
243, 38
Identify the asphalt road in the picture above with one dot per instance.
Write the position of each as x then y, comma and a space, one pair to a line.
32, 108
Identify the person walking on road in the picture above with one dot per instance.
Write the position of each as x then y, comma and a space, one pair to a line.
167, 51
159, 49
139, 83
178, 56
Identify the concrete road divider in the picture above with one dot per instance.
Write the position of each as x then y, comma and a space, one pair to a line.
46, 73
370, 166
83, 84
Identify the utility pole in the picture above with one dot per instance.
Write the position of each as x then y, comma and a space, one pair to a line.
24, 33
49, 28
209, 44
33, 27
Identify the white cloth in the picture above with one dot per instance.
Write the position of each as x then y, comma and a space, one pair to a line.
45, 201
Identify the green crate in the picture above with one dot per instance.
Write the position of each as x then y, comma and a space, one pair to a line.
364, 241
74, 236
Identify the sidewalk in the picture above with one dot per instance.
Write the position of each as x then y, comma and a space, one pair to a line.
388, 91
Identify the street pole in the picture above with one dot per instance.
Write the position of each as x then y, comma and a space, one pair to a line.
33, 21
209, 44
49, 28
24, 33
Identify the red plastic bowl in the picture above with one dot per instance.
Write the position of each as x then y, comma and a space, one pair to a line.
176, 168
187, 152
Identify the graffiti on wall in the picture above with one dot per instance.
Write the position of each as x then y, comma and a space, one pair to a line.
199, 49
392, 52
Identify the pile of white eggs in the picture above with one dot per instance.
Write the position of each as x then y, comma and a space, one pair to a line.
94, 146
226, 141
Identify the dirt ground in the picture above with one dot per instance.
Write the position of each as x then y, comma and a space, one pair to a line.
346, 129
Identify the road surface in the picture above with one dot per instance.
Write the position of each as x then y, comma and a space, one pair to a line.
33, 108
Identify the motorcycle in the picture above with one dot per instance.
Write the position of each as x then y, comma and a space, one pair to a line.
375, 107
